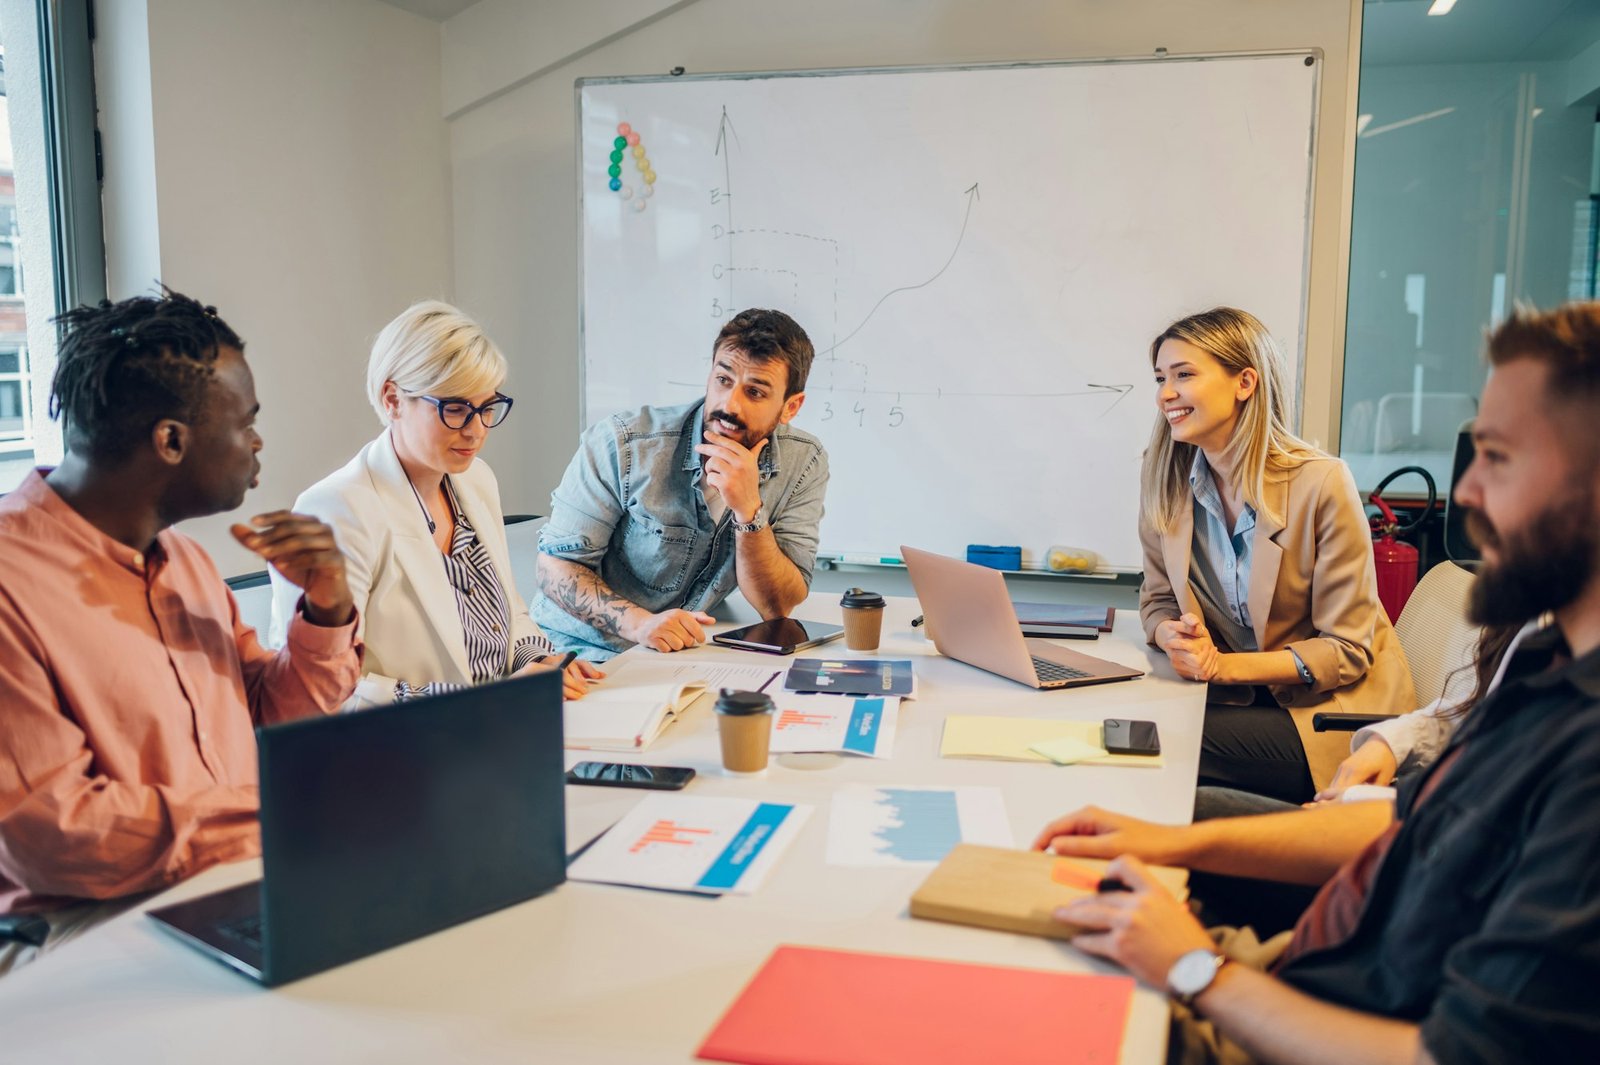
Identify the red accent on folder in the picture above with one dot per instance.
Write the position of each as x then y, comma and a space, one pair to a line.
833, 1007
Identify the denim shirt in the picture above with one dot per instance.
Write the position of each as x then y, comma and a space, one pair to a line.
630, 507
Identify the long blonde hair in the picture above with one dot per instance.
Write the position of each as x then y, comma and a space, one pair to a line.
1261, 440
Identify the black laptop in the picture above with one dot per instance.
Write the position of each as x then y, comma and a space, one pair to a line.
383, 825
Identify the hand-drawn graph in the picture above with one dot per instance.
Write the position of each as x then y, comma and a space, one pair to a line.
981, 258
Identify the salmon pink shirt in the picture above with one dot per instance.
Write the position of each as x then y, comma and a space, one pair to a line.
129, 689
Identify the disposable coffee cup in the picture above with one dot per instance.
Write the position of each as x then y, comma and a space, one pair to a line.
744, 724
863, 619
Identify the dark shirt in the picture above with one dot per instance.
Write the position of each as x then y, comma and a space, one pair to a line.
1482, 923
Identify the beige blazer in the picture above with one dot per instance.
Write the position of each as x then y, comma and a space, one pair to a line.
1313, 589
408, 617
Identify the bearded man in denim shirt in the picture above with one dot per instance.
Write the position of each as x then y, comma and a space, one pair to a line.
664, 511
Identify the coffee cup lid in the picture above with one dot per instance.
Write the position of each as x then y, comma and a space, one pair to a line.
738, 703
860, 598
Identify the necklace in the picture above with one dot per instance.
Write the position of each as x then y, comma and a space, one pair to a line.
427, 517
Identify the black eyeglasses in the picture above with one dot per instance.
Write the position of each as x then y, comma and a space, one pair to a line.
456, 413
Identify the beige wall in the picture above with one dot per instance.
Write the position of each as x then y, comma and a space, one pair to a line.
301, 183
512, 156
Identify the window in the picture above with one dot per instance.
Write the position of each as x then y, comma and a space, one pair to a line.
51, 251
1475, 146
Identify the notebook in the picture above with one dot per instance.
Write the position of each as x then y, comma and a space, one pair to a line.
1016, 891
639, 698
836, 1007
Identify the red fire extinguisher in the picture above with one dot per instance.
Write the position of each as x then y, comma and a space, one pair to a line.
1396, 560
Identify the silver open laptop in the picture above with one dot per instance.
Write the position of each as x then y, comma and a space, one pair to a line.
970, 618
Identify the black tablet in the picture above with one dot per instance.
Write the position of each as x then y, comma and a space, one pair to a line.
780, 636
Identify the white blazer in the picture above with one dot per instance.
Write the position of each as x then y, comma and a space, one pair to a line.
408, 617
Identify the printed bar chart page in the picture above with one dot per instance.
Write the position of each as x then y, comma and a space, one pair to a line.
690, 843
835, 723
912, 826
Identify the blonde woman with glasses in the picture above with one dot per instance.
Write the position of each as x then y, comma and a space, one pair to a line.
417, 514
1258, 576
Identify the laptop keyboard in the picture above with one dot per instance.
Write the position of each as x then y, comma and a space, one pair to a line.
245, 930
1055, 672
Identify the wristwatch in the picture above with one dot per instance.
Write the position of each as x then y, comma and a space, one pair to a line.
1193, 973
1304, 670
757, 522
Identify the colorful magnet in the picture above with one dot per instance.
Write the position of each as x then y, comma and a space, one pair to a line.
638, 205
616, 184
619, 143
624, 129
647, 191
631, 138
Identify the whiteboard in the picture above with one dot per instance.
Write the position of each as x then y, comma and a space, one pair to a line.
980, 255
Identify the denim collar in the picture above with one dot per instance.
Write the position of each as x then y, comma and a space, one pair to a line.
766, 462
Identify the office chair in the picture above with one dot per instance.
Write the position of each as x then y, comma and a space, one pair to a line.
1438, 641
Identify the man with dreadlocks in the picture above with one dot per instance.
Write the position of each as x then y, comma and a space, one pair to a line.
128, 683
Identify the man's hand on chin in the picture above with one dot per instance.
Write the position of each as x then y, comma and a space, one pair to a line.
731, 468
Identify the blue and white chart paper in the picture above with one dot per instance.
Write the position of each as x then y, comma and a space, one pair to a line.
835, 723
693, 843
912, 826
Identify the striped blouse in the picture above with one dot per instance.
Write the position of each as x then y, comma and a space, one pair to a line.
485, 613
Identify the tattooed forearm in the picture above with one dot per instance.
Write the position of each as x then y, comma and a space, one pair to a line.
579, 591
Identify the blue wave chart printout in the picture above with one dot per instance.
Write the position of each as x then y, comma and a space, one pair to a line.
912, 826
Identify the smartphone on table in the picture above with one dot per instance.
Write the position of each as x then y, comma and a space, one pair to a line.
1123, 736
622, 775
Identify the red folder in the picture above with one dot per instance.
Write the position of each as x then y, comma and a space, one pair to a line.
835, 1007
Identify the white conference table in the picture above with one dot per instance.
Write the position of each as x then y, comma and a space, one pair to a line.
597, 973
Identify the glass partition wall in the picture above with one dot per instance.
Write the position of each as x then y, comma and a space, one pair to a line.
1476, 185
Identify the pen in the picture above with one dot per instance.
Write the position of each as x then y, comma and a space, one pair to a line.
1111, 883
917, 622
566, 659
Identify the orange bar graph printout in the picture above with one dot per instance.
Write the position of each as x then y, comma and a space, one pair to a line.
665, 831
794, 718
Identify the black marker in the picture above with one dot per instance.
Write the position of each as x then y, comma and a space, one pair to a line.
1110, 883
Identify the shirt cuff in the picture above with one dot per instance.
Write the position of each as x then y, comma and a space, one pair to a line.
322, 639
530, 649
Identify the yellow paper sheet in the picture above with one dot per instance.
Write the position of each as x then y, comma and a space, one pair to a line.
1009, 739
1067, 750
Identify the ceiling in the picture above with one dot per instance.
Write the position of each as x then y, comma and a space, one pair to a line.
438, 10
1402, 33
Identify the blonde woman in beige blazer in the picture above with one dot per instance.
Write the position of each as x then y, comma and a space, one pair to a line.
1258, 576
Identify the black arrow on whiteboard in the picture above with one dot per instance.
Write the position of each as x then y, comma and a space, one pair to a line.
1120, 390
972, 197
723, 126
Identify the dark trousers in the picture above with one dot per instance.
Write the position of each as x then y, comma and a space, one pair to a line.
1255, 748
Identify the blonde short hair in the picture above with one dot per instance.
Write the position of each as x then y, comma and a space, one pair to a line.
431, 348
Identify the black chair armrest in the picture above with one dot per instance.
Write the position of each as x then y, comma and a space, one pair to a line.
518, 519
1332, 722
248, 580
